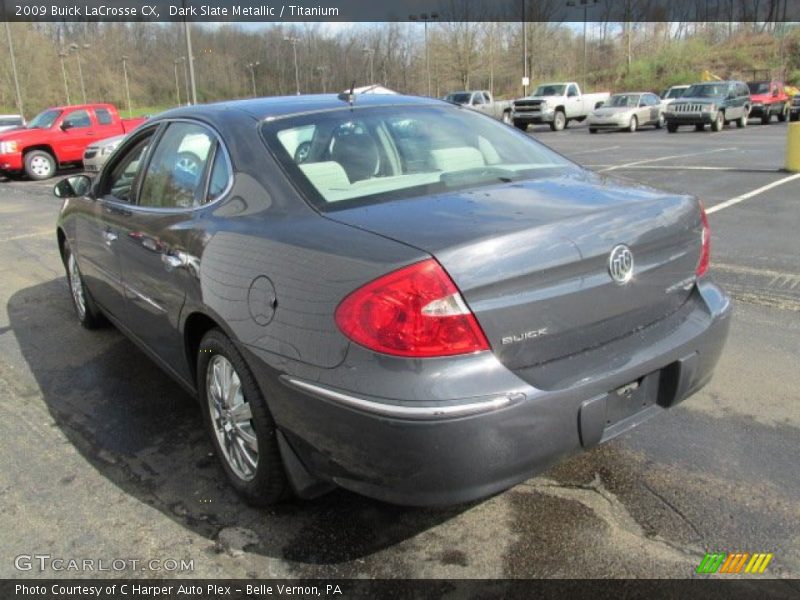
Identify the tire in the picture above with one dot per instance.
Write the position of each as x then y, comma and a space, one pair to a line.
521, 125
699, 127
559, 121
719, 121
672, 127
633, 125
784, 114
89, 316
741, 122
40, 165
766, 117
506, 118
247, 448
592, 129
794, 117
660, 121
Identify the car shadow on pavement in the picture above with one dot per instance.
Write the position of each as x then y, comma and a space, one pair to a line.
144, 433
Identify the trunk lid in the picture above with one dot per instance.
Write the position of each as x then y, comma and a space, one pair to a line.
532, 258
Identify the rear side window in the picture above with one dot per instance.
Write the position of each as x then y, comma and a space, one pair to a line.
103, 116
220, 176
176, 174
79, 118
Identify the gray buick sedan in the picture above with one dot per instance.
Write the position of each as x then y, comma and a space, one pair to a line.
391, 294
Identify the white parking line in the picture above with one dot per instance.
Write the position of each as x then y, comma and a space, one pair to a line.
596, 150
755, 192
691, 168
43, 233
652, 160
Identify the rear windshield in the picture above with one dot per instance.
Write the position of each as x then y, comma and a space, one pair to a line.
369, 155
10, 121
459, 98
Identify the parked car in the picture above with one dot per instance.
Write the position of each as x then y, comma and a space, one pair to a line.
483, 102
428, 309
628, 111
556, 104
768, 98
9, 122
673, 93
58, 137
96, 155
794, 109
714, 103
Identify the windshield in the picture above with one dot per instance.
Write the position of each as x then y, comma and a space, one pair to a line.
675, 92
758, 87
10, 121
624, 100
459, 98
550, 90
44, 120
377, 154
706, 90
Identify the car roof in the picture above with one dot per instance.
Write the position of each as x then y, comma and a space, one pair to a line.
284, 106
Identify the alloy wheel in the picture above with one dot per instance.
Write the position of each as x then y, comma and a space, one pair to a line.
231, 418
76, 286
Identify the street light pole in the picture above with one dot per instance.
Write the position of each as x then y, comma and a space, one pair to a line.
62, 55
585, 5
127, 88
322, 70
371, 53
77, 50
425, 17
293, 41
14, 70
252, 66
186, 79
177, 83
191, 60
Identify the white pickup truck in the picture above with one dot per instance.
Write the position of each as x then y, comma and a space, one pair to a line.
482, 101
556, 104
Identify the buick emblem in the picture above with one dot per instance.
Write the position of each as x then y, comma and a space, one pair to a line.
620, 264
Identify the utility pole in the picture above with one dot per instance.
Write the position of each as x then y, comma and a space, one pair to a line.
252, 66
322, 70
293, 41
14, 70
585, 5
190, 59
177, 83
62, 55
127, 88
77, 50
525, 79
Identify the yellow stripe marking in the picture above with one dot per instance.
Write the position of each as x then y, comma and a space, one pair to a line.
765, 563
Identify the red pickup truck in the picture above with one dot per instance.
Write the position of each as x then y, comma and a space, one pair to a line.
57, 137
767, 98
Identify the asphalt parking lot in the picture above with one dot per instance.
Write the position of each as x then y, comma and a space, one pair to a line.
103, 456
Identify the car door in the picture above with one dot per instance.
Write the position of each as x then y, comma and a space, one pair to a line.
98, 234
76, 130
574, 105
478, 102
652, 106
155, 252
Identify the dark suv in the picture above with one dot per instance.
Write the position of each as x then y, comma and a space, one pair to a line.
714, 103
794, 108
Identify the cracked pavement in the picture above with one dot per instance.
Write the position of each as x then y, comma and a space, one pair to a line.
104, 456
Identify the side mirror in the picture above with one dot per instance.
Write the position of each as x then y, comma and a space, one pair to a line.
72, 187
66, 125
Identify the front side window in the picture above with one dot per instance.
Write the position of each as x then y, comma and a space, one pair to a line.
378, 154
124, 173
175, 176
77, 119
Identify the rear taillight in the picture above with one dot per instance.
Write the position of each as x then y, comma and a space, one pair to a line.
705, 250
416, 311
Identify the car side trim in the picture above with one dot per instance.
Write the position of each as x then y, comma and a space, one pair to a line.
404, 411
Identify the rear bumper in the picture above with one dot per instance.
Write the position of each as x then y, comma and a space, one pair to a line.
510, 428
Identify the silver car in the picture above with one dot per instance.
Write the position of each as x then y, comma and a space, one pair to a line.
96, 155
628, 111
9, 122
